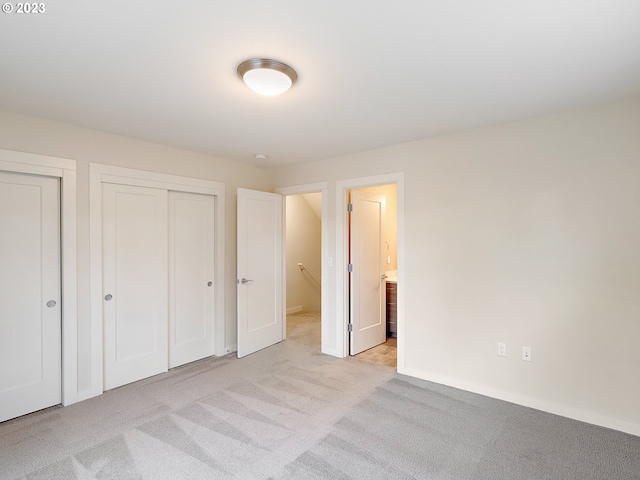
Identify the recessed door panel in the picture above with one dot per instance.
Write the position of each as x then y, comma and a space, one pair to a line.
30, 310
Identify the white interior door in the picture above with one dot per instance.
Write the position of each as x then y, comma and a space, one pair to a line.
259, 268
135, 293
30, 310
191, 276
367, 289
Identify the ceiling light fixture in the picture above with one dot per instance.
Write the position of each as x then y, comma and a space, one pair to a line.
267, 77
261, 156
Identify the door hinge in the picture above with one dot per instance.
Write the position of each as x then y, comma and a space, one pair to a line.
350, 267
350, 207
350, 327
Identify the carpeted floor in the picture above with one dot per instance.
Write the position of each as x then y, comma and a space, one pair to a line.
289, 412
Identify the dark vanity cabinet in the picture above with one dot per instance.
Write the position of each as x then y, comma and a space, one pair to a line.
392, 329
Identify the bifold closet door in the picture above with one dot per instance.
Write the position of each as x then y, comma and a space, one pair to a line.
30, 295
135, 289
191, 277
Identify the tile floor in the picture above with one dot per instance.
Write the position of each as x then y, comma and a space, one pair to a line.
384, 354
304, 327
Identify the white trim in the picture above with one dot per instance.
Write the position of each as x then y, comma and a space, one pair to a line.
526, 401
65, 170
292, 310
301, 189
283, 267
342, 314
321, 187
100, 174
150, 179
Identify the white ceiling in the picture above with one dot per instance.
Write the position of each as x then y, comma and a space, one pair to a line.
371, 73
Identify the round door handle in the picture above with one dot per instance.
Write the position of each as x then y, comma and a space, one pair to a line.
51, 303
108, 297
209, 284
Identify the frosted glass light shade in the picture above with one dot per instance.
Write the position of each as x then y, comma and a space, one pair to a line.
267, 82
267, 77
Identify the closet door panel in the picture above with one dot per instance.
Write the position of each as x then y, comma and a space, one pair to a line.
30, 294
191, 276
135, 283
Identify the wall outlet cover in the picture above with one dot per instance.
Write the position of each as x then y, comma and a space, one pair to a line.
526, 354
502, 349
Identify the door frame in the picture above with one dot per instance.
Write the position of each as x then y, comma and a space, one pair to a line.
99, 174
65, 171
327, 324
342, 245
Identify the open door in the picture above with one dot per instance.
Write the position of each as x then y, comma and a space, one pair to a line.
259, 270
367, 278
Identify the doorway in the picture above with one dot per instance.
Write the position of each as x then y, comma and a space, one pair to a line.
303, 259
310, 203
342, 255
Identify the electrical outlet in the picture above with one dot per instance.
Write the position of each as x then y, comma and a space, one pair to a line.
388, 259
526, 354
502, 349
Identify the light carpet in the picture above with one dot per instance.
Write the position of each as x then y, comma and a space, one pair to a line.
289, 412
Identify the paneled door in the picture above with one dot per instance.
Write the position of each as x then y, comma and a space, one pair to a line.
30, 295
191, 277
135, 257
260, 245
367, 289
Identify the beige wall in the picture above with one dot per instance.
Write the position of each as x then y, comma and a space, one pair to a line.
526, 233
391, 221
28, 134
303, 237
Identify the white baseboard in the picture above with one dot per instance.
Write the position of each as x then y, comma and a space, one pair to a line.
293, 310
230, 348
543, 405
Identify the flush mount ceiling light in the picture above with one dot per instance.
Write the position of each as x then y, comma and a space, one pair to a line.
267, 77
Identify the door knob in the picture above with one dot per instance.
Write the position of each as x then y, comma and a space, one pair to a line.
51, 303
244, 281
108, 297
